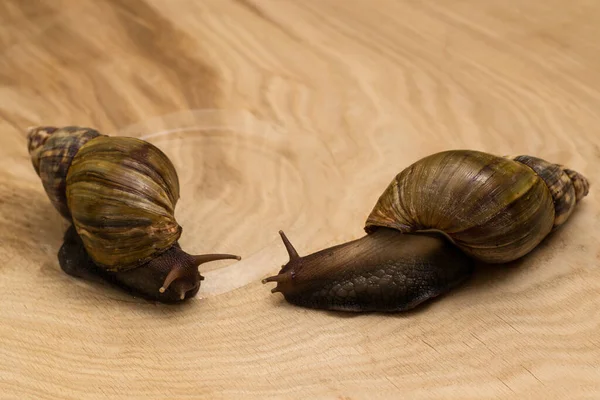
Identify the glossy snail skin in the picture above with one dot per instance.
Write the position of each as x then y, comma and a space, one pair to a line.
482, 207
120, 194
385, 271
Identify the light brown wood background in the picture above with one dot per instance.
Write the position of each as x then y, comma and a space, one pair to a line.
295, 115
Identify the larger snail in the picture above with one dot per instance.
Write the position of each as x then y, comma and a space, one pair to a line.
119, 193
431, 223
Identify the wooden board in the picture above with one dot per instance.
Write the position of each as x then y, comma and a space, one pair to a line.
295, 115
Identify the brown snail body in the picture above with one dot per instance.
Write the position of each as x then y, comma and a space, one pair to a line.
482, 207
120, 194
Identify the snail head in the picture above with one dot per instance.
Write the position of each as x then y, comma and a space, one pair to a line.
183, 278
287, 274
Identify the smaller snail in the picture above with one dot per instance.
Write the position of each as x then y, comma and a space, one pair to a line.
119, 193
434, 220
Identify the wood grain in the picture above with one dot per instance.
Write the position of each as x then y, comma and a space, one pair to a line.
296, 115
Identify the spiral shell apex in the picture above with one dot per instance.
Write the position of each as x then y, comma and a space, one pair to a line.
36, 138
566, 186
52, 151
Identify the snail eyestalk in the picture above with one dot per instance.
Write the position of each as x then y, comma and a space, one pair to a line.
184, 270
213, 257
289, 247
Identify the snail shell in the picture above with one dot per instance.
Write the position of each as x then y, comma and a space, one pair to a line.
493, 208
477, 206
120, 194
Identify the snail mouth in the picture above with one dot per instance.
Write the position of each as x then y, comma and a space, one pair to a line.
280, 279
184, 288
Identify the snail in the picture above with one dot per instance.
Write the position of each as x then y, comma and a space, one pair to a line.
119, 194
435, 219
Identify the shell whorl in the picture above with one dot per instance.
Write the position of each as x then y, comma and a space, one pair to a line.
495, 209
581, 184
52, 151
36, 139
567, 187
122, 194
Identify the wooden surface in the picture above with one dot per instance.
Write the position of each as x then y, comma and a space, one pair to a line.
295, 115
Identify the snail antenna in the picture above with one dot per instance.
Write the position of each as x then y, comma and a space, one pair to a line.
288, 246
213, 257
175, 273
183, 270
278, 278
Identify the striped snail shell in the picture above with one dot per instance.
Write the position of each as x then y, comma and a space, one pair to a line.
120, 194
431, 223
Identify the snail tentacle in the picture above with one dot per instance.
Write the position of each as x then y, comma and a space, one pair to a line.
190, 267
